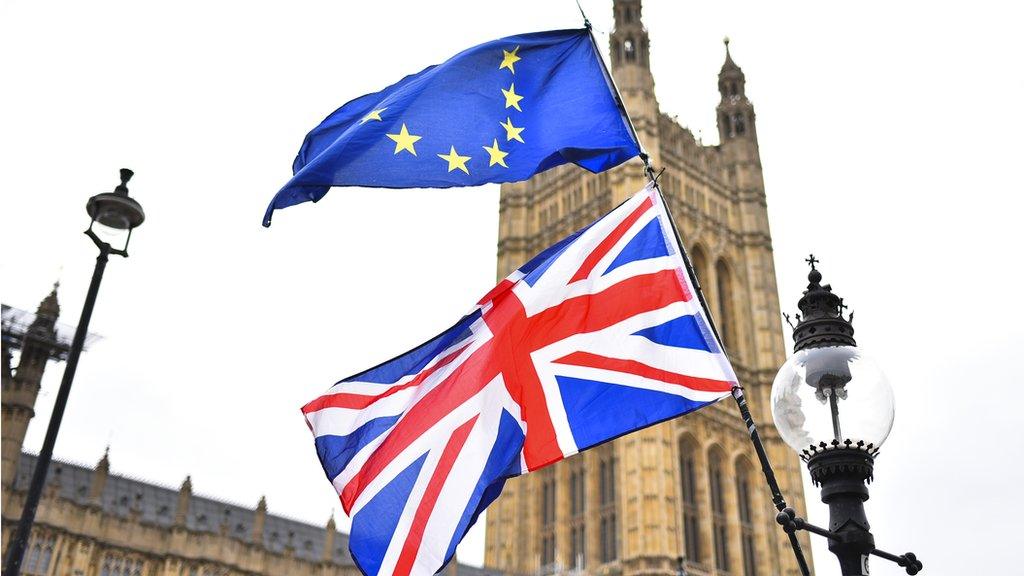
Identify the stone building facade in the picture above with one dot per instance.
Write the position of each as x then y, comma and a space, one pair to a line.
92, 522
689, 487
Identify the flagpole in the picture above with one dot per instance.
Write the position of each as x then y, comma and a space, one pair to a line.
737, 390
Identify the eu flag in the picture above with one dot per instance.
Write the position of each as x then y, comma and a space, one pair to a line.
498, 112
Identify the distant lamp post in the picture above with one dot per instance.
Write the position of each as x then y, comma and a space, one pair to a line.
114, 215
832, 404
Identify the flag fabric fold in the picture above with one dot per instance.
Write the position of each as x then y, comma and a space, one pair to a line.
597, 336
498, 112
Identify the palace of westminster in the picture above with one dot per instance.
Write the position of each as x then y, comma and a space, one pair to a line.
684, 488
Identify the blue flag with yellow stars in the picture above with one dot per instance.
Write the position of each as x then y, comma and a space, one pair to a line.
498, 112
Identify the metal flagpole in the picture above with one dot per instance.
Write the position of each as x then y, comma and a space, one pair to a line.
737, 390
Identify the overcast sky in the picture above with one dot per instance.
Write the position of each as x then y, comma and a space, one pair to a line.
891, 141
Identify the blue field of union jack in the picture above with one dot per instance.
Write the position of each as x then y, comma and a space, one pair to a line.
598, 335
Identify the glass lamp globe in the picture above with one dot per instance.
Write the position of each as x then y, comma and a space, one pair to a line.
832, 393
111, 226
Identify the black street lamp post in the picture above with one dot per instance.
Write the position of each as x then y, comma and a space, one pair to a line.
834, 406
114, 215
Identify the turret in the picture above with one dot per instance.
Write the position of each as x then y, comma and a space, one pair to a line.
99, 479
259, 521
332, 529
735, 112
21, 388
761, 348
631, 67
741, 157
184, 500
630, 49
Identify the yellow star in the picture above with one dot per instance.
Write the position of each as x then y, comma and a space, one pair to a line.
510, 59
511, 98
455, 161
497, 156
375, 115
404, 140
511, 132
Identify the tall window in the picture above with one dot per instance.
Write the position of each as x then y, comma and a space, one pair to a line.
746, 512
40, 551
739, 123
629, 50
725, 303
547, 517
577, 513
719, 528
700, 263
688, 491
606, 492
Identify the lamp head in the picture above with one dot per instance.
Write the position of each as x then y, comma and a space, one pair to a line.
114, 215
829, 394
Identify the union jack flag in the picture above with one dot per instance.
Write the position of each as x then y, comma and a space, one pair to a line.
597, 336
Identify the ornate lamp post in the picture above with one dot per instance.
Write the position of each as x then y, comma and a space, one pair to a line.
114, 215
832, 404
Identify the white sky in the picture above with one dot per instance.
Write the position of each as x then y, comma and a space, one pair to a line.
891, 140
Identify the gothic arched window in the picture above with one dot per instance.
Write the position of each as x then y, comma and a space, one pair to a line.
606, 500
727, 126
725, 303
700, 264
745, 509
688, 493
577, 513
547, 517
40, 550
719, 525
629, 50
739, 123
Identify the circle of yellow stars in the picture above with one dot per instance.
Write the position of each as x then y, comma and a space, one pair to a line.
405, 141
